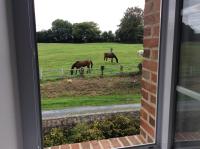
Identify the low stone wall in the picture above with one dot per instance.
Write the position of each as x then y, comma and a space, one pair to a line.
70, 121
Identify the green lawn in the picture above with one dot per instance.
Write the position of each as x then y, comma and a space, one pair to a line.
57, 56
64, 102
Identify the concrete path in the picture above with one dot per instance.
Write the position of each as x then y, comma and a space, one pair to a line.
89, 110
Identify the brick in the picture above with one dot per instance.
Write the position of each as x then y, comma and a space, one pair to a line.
157, 5
55, 147
95, 144
145, 94
150, 65
75, 146
143, 114
153, 88
154, 54
124, 141
153, 99
85, 145
149, 140
152, 19
141, 139
151, 121
147, 1
115, 142
146, 126
144, 135
149, 86
148, 107
152, 7
65, 146
105, 144
146, 53
154, 77
147, 31
146, 74
133, 140
156, 31
146, 85
148, 8
151, 42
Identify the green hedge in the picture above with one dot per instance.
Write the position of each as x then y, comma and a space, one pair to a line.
117, 126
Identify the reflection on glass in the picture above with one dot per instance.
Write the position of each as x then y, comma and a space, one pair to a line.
188, 98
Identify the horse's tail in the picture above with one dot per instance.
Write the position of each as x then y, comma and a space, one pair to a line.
91, 64
115, 57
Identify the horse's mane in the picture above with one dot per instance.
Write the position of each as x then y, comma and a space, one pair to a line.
74, 65
115, 57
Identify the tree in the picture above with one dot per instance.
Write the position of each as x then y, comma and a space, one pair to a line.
62, 30
86, 32
46, 36
131, 26
107, 36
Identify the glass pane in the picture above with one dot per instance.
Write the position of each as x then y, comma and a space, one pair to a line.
188, 98
91, 73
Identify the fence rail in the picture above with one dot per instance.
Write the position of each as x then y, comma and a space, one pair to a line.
52, 74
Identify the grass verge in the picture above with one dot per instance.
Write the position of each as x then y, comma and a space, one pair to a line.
66, 102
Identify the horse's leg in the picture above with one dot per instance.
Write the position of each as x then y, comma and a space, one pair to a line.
76, 72
112, 60
88, 69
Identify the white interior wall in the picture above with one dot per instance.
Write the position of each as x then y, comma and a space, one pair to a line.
10, 131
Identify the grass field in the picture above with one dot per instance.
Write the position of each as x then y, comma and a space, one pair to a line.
95, 91
63, 102
90, 92
54, 57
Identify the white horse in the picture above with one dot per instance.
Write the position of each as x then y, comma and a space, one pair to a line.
140, 52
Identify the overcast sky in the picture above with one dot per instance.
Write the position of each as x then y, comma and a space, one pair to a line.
107, 13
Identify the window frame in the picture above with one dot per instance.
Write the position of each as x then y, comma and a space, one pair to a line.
178, 88
28, 75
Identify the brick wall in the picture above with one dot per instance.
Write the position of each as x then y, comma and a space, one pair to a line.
149, 72
71, 121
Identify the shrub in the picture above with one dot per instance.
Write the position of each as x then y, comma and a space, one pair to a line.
116, 126
83, 132
105, 126
54, 137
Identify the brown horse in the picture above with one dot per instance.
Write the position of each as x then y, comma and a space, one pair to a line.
110, 55
81, 64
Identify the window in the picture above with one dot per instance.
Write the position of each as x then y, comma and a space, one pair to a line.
29, 75
188, 88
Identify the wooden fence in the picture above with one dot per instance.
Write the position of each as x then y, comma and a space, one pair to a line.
52, 74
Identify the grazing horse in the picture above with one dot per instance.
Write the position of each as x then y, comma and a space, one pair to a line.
110, 55
81, 64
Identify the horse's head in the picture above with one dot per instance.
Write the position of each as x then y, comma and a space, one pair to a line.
72, 68
113, 55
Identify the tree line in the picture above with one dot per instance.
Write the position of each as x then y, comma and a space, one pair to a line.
130, 30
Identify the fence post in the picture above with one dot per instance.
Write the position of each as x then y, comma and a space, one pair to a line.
62, 72
82, 72
121, 69
140, 68
41, 75
102, 70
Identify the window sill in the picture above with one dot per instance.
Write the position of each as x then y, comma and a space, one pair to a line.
120, 142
